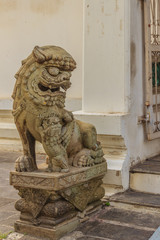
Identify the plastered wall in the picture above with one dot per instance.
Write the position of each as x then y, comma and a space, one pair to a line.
138, 147
26, 23
106, 51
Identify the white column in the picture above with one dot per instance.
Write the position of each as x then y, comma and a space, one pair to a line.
106, 80
106, 51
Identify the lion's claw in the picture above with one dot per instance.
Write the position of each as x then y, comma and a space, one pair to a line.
88, 158
23, 164
85, 161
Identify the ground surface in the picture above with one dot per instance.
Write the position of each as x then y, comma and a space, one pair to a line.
109, 223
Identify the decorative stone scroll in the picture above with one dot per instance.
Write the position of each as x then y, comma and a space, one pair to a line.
55, 194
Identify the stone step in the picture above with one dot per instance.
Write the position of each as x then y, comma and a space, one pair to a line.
145, 177
119, 224
6, 116
6, 120
136, 200
8, 130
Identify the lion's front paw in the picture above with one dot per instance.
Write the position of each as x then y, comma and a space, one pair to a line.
23, 164
83, 159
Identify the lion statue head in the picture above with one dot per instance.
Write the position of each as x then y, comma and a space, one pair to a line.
44, 77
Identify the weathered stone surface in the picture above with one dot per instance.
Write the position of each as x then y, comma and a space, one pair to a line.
39, 114
77, 186
83, 194
10, 220
48, 200
103, 216
137, 198
73, 236
139, 219
43, 232
5, 201
151, 165
91, 238
6, 229
15, 236
57, 181
28, 237
5, 215
56, 195
8, 208
104, 230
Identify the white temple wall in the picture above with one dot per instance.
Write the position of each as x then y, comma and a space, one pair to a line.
26, 23
104, 88
134, 134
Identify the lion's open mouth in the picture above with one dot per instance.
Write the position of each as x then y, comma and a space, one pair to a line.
44, 88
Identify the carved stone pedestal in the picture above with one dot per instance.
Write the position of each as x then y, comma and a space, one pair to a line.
53, 204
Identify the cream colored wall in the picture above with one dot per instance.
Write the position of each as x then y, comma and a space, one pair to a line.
138, 147
26, 23
106, 51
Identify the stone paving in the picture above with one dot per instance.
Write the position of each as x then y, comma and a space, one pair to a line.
8, 195
108, 224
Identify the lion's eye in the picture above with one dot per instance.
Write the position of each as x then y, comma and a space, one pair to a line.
53, 71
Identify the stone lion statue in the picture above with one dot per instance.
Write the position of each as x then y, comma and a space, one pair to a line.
39, 114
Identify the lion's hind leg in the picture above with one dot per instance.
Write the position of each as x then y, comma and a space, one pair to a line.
92, 152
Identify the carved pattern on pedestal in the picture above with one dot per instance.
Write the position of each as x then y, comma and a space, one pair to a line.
98, 170
17, 180
59, 181
80, 177
71, 180
33, 200
81, 195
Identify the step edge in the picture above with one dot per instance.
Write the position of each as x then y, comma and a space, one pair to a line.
144, 172
133, 203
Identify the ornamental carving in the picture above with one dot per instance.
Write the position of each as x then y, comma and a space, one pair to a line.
33, 181
56, 196
40, 115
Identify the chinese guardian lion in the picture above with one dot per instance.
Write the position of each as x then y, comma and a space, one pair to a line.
39, 114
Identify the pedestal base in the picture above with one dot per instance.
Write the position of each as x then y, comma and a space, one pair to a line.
45, 232
53, 204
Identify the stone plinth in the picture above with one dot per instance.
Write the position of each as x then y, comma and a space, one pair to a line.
53, 204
